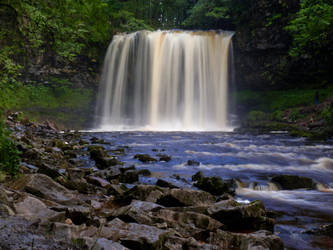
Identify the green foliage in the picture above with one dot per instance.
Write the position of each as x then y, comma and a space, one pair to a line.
125, 21
272, 101
327, 114
272, 19
312, 29
8, 67
256, 115
206, 13
64, 26
9, 155
295, 115
59, 102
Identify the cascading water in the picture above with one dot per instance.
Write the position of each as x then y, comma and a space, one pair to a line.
166, 80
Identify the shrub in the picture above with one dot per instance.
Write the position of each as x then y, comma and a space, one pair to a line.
327, 114
9, 155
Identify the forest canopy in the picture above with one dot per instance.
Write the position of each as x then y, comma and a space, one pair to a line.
58, 31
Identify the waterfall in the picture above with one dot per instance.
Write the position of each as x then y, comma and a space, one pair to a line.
166, 80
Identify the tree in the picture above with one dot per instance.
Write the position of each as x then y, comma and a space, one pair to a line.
312, 29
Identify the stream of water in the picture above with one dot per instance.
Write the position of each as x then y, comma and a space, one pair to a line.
252, 160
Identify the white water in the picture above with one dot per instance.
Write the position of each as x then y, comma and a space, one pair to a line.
167, 81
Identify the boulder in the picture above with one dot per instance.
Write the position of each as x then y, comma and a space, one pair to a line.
186, 223
145, 158
130, 176
48, 170
102, 159
117, 190
192, 163
291, 182
165, 158
102, 244
109, 174
214, 185
44, 187
98, 182
18, 233
254, 241
163, 183
144, 193
66, 232
132, 235
137, 211
79, 214
185, 197
31, 209
241, 217
144, 172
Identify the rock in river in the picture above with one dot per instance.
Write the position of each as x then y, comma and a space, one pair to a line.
291, 182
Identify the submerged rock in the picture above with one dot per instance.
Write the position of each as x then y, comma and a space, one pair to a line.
325, 230
291, 182
192, 163
145, 158
165, 158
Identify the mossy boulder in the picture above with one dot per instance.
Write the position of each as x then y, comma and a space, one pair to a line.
145, 158
214, 185
102, 159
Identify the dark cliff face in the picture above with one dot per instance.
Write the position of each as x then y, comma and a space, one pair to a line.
262, 47
261, 44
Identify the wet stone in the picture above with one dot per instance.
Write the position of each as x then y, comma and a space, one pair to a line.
145, 158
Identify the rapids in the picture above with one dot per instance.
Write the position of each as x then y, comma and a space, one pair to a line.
250, 159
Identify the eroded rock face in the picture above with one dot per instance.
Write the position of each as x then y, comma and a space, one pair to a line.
44, 187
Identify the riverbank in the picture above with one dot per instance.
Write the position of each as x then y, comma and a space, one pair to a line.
293, 111
58, 201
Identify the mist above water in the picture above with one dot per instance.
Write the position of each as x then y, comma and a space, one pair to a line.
167, 81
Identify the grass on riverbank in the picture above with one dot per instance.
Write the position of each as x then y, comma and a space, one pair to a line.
63, 104
280, 100
292, 110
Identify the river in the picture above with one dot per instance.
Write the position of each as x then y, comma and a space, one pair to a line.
252, 160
